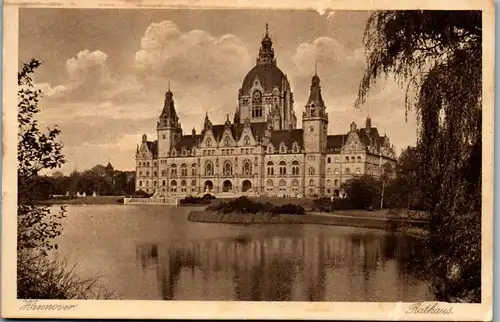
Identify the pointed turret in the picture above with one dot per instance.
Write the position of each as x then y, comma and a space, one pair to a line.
266, 51
169, 128
315, 104
368, 124
168, 115
207, 124
193, 131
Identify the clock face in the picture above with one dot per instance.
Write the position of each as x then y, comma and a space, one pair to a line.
256, 95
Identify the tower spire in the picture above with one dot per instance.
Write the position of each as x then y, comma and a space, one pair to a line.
267, 29
316, 68
169, 85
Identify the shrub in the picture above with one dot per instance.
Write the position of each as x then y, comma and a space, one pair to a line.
208, 196
195, 200
39, 277
289, 209
141, 194
241, 205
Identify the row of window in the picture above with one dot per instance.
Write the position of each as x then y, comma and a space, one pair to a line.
346, 170
352, 159
269, 183
282, 168
227, 169
283, 149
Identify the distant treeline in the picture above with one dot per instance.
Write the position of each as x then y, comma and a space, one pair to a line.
100, 180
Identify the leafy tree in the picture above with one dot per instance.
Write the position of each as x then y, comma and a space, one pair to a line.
437, 56
362, 192
37, 225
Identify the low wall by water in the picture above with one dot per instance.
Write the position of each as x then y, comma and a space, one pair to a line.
350, 221
151, 201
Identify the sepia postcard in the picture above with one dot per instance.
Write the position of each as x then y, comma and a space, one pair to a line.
317, 160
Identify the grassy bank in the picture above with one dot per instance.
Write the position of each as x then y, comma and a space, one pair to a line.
98, 200
393, 224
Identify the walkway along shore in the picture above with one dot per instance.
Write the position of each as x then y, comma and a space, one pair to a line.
334, 219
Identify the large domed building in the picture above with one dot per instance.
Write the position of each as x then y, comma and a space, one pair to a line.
261, 151
265, 94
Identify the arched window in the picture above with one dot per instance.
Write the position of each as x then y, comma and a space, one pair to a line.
147, 183
295, 168
227, 168
154, 183
257, 104
347, 170
183, 183
282, 183
359, 159
147, 173
163, 182
282, 168
295, 182
193, 169
313, 110
140, 173
226, 141
353, 159
193, 183
173, 169
270, 168
173, 183
270, 183
336, 171
311, 182
358, 170
247, 168
311, 171
336, 182
336, 159
282, 148
184, 170
270, 149
147, 164
329, 182
347, 159
295, 148
163, 173
209, 142
154, 173
329, 170
329, 160
246, 140
140, 183
209, 168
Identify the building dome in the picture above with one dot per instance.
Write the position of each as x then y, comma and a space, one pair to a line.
269, 76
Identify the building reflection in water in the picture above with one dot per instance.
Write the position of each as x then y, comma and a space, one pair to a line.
354, 267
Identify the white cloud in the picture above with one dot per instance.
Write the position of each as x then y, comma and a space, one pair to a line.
86, 62
191, 57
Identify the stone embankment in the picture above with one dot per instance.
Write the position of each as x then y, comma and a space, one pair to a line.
365, 221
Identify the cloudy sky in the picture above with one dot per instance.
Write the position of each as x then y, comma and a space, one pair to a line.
105, 72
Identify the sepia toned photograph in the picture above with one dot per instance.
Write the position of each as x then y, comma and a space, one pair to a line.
190, 158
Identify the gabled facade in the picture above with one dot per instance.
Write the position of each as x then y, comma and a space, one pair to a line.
261, 152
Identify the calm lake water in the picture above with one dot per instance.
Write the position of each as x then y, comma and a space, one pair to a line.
154, 253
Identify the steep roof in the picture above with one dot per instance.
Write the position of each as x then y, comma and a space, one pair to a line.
288, 137
188, 141
269, 76
371, 138
153, 147
335, 142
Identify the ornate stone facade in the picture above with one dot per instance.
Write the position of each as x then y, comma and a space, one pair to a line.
261, 152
